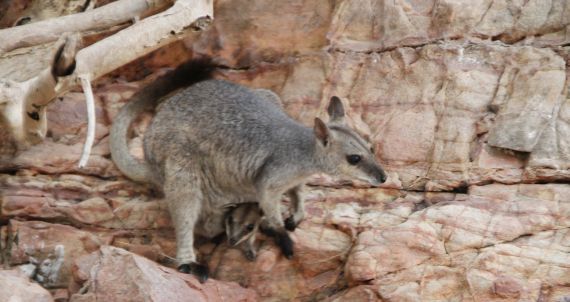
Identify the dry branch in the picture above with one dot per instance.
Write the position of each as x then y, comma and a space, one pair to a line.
95, 61
90, 105
103, 17
138, 40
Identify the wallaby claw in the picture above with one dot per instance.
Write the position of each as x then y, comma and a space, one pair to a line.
290, 224
196, 269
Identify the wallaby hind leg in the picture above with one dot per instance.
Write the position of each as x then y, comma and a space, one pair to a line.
272, 225
184, 198
298, 209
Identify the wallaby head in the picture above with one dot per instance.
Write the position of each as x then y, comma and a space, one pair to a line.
344, 152
242, 221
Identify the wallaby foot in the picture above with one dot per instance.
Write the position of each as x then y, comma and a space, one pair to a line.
196, 269
282, 240
290, 224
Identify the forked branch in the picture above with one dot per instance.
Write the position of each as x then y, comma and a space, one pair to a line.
23, 103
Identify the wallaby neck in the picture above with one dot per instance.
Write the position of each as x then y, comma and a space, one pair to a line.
302, 149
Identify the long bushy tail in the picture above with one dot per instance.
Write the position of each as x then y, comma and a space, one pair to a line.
146, 99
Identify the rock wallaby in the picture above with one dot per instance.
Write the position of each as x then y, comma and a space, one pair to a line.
215, 143
242, 222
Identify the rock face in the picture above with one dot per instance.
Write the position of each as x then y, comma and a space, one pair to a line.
16, 286
120, 275
466, 103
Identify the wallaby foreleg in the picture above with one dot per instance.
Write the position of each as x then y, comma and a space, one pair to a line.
298, 208
272, 225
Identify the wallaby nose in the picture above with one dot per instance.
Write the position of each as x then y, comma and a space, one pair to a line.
381, 176
233, 241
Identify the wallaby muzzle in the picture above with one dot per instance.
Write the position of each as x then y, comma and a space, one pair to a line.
377, 176
381, 176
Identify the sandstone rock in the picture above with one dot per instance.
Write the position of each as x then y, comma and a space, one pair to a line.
485, 241
251, 37
511, 271
61, 158
362, 293
67, 117
50, 247
314, 273
490, 215
528, 106
112, 273
374, 25
81, 200
553, 149
15, 286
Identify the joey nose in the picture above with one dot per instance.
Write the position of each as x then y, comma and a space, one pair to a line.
381, 176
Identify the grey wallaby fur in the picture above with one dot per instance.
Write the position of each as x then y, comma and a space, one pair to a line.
216, 143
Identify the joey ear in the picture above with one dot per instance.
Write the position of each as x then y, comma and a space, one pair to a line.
335, 109
321, 131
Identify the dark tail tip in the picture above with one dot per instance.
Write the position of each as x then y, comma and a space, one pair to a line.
192, 71
186, 74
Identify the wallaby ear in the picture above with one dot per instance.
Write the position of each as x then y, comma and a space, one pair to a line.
321, 131
335, 109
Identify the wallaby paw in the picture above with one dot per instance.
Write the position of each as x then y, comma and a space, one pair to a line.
290, 224
286, 244
250, 255
281, 238
196, 269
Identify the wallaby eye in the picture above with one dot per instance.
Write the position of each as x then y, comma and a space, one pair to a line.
353, 159
230, 220
250, 227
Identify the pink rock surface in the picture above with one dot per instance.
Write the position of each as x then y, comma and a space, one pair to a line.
114, 274
16, 286
51, 248
487, 246
314, 273
82, 200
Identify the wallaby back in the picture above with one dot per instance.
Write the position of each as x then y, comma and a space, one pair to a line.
146, 99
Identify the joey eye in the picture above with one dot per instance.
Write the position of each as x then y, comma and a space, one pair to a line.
250, 227
353, 159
